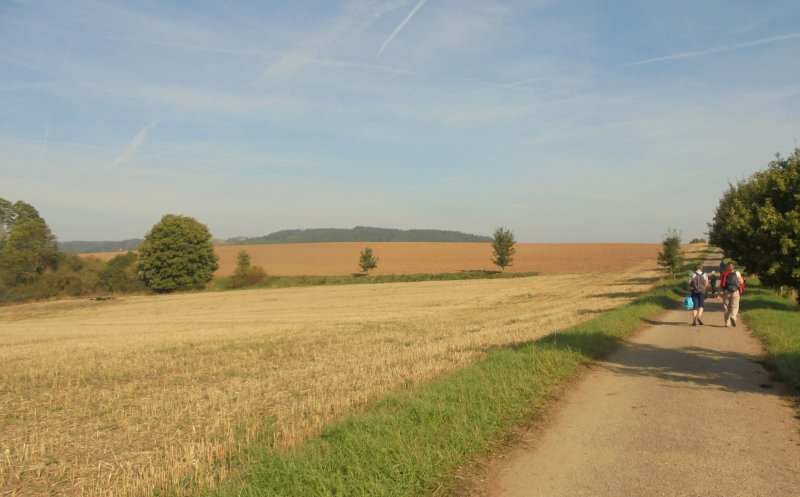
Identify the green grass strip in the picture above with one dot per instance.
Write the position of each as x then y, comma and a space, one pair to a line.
411, 442
776, 321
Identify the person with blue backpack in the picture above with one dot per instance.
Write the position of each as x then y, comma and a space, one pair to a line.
698, 283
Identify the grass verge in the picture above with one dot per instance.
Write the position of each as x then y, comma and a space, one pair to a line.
357, 279
776, 321
412, 442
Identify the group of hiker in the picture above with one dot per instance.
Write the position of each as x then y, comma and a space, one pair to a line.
731, 287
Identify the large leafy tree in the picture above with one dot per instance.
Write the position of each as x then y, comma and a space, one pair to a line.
757, 223
11, 214
177, 254
27, 247
503, 247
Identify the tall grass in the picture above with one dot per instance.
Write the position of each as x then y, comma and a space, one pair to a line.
776, 321
411, 443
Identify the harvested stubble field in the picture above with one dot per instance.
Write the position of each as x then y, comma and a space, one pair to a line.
410, 258
121, 397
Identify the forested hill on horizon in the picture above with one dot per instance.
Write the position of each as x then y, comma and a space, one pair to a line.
314, 235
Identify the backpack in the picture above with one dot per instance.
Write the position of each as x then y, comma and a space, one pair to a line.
732, 283
699, 283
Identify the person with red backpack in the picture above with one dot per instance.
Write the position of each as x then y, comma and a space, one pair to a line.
732, 287
698, 283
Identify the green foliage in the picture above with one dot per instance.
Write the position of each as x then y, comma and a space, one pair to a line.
699, 240
11, 214
120, 275
245, 274
670, 257
81, 247
177, 254
243, 261
757, 223
503, 247
31, 266
73, 277
367, 261
29, 249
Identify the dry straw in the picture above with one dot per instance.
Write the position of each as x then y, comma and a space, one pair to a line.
124, 396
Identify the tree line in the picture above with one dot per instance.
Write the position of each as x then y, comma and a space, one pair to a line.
757, 223
175, 255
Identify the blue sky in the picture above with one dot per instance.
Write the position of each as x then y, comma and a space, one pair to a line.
566, 121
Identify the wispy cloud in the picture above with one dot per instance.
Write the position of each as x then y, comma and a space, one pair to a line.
216, 101
400, 27
700, 53
134, 145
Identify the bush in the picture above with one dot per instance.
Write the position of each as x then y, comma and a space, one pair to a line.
245, 274
120, 276
74, 276
177, 254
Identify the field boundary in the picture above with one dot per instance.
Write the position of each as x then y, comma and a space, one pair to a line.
223, 282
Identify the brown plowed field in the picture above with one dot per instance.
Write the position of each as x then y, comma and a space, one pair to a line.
409, 258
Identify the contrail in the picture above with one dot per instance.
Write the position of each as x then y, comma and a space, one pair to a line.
698, 53
400, 27
134, 145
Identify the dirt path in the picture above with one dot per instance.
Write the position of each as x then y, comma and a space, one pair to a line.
676, 411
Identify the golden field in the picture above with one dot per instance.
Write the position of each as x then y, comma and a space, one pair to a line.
120, 397
410, 258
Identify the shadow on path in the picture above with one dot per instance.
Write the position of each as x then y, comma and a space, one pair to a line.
696, 366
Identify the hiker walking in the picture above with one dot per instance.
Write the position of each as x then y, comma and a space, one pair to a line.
732, 287
698, 283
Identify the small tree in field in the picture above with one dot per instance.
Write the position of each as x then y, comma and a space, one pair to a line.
670, 257
367, 261
503, 247
245, 274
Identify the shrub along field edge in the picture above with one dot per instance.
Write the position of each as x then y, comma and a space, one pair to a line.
775, 320
413, 442
223, 283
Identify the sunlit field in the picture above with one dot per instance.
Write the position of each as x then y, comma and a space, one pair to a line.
409, 258
125, 396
